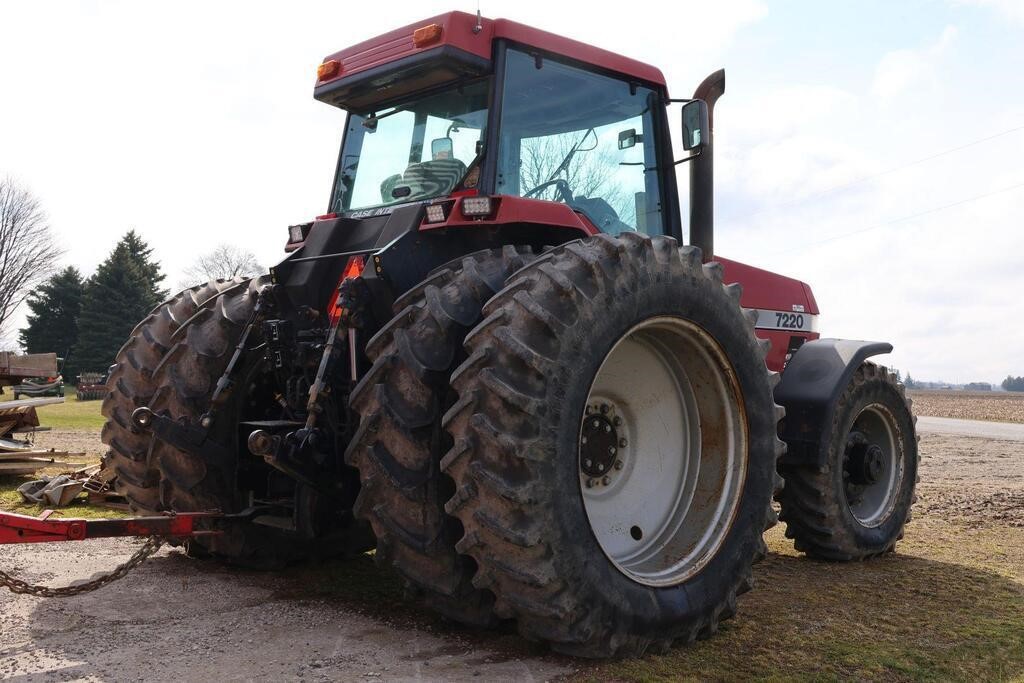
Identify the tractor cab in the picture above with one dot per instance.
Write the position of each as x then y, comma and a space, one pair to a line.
497, 109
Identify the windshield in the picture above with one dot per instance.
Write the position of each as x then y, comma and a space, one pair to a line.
575, 136
416, 150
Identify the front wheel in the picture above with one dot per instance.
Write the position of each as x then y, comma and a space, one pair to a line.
614, 447
858, 504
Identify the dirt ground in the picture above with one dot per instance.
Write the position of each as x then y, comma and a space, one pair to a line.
997, 406
949, 605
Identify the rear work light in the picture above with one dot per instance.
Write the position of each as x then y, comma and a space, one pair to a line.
436, 213
426, 35
477, 207
298, 233
329, 69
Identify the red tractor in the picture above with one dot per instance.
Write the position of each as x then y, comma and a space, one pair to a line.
496, 361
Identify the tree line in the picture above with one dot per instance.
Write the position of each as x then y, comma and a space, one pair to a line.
85, 320
1012, 383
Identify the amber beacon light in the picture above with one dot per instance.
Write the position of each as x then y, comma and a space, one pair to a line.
426, 35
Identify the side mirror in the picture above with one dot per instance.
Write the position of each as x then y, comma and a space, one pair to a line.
629, 138
696, 128
442, 148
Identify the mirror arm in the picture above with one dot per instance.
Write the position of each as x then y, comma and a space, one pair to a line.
689, 158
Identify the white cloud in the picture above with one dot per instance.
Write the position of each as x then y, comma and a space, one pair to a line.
904, 69
1012, 9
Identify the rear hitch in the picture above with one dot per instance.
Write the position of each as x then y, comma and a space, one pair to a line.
181, 434
15, 528
283, 453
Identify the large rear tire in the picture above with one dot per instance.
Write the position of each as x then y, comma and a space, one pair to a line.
132, 385
857, 505
180, 385
596, 330
399, 443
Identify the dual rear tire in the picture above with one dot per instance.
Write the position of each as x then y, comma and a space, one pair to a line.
609, 321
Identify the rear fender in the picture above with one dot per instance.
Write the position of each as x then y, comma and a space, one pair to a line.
811, 385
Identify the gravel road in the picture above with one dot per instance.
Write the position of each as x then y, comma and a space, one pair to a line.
176, 619
1004, 431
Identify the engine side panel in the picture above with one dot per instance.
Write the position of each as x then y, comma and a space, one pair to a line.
787, 311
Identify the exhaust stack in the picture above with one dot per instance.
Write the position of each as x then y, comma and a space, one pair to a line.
702, 172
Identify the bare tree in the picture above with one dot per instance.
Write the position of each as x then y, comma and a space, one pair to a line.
588, 173
223, 263
28, 250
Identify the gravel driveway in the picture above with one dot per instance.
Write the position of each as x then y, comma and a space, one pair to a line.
175, 619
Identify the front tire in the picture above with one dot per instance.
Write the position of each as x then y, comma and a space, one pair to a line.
519, 461
857, 505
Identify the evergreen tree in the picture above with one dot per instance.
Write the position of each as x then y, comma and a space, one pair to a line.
53, 320
122, 292
142, 254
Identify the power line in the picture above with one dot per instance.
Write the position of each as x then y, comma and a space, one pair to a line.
902, 218
858, 181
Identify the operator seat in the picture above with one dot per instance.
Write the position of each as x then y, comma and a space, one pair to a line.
432, 178
601, 214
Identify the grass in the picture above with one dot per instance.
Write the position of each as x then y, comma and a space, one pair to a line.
948, 606
72, 414
11, 501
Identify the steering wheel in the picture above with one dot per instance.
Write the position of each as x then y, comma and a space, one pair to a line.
560, 185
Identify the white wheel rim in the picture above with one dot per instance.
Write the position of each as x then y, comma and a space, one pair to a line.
873, 503
661, 507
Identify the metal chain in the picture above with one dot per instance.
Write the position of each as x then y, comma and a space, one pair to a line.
14, 585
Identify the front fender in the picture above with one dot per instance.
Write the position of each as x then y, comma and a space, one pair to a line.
811, 385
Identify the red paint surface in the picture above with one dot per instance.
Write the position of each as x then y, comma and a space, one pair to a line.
767, 290
511, 209
770, 291
457, 32
15, 528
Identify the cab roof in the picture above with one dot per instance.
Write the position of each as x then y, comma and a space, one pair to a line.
458, 31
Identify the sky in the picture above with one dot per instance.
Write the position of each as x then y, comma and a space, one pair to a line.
871, 149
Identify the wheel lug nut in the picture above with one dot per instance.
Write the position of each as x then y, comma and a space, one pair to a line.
606, 481
607, 428
618, 464
605, 408
623, 443
583, 439
600, 467
597, 423
586, 463
590, 483
612, 450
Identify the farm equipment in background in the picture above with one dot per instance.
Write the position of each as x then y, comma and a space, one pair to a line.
495, 362
18, 419
40, 387
91, 386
